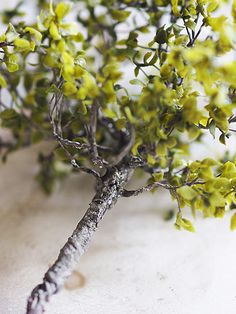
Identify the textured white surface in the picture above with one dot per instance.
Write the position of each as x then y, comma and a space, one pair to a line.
137, 262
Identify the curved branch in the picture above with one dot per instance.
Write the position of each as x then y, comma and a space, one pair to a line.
126, 149
146, 188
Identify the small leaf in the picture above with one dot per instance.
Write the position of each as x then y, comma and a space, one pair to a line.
222, 138
212, 128
53, 30
183, 223
119, 15
22, 44
136, 71
175, 9
8, 114
233, 222
161, 36
187, 192
154, 59
147, 56
136, 82
234, 11
220, 212
158, 176
3, 82
11, 33
187, 225
69, 89
62, 9
33, 31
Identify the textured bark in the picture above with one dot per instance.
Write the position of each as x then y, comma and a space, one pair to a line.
109, 190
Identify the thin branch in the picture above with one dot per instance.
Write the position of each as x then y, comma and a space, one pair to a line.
177, 199
162, 184
96, 159
147, 188
5, 44
126, 149
198, 33
73, 161
189, 36
85, 169
55, 110
92, 131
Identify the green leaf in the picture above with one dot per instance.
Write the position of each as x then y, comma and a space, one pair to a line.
11, 62
233, 222
187, 225
219, 212
53, 30
136, 82
234, 10
175, 9
183, 223
11, 33
62, 9
190, 24
136, 71
38, 36
187, 192
212, 128
3, 82
119, 15
161, 36
22, 44
69, 89
136, 146
154, 59
210, 162
222, 139
158, 176
147, 56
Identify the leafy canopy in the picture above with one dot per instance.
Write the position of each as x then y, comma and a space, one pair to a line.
179, 58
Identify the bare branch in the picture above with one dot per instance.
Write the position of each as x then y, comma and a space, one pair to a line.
125, 151
146, 188
73, 161
162, 184
176, 195
85, 169
55, 111
96, 159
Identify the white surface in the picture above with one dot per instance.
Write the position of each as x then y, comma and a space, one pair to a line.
137, 262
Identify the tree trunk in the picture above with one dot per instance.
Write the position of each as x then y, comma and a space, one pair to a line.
109, 190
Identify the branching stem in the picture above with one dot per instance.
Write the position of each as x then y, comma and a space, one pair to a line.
108, 193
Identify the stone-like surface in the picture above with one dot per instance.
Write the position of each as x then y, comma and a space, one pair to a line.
137, 263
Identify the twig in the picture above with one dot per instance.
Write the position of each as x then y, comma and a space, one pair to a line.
96, 159
55, 109
147, 188
125, 151
177, 199
154, 185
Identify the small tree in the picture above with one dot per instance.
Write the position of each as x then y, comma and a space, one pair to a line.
60, 85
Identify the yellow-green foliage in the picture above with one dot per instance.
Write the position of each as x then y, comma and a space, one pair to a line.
186, 88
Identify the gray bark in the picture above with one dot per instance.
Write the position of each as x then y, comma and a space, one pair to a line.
109, 190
